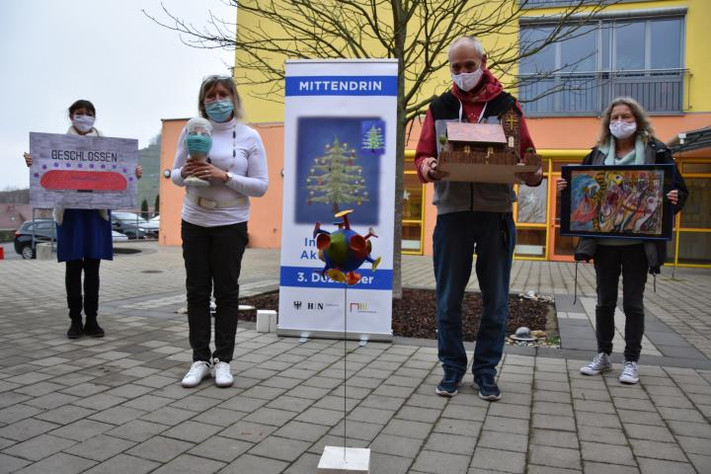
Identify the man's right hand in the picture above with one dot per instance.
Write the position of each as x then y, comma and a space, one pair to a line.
429, 167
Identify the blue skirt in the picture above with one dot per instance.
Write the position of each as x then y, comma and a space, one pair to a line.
84, 234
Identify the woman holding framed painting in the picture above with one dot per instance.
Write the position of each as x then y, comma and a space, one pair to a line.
626, 138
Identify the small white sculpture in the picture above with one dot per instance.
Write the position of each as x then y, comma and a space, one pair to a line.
198, 142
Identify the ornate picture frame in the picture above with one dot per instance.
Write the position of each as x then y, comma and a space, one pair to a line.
617, 201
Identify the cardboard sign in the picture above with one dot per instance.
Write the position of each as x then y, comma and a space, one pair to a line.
82, 172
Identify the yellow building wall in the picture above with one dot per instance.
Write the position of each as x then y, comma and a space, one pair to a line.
696, 59
265, 102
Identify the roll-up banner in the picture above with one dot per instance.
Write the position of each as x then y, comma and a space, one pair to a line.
339, 139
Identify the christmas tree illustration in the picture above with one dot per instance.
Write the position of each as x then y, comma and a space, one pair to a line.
373, 139
335, 178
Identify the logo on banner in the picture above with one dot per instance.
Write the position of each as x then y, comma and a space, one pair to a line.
309, 306
359, 308
372, 134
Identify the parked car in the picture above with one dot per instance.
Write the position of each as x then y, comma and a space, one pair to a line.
129, 223
43, 230
152, 227
118, 236
32, 232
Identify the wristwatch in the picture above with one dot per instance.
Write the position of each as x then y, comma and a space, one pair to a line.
229, 177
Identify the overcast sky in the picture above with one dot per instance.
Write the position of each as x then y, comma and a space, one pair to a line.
53, 52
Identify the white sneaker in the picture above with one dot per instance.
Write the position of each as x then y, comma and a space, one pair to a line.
600, 363
223, 374
630, 372
198, 371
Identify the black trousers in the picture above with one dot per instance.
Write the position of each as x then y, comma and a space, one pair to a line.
631, 261
213, 258
72, 280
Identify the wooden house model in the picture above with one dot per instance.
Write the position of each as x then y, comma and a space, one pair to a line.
485, 152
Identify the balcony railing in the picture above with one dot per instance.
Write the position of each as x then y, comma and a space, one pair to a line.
660, 91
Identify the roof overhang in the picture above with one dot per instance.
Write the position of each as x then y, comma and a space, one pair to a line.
691, 140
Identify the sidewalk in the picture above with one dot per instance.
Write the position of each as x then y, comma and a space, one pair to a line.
115, 405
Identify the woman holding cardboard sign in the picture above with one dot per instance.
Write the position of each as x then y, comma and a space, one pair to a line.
627, 138
83, 240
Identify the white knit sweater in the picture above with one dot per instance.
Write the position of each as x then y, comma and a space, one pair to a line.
248, 168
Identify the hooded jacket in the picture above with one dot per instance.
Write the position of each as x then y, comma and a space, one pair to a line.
487, 99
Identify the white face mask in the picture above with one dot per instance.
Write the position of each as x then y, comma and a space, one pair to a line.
620, 129
83, 123
467, 81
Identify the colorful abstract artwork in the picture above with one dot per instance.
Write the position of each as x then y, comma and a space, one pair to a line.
624, 201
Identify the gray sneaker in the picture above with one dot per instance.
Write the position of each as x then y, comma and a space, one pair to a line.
630, 372
600, 363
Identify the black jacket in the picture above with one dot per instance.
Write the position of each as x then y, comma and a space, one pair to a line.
656, 152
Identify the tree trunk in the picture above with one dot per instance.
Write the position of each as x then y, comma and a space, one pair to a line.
399, 50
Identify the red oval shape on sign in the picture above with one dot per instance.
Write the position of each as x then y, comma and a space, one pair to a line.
72, 180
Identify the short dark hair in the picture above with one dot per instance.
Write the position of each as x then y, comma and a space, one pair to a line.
82, 104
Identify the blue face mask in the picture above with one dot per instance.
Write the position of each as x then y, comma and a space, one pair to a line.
220, 110
198, 145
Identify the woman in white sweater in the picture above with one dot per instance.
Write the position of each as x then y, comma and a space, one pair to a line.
214, 224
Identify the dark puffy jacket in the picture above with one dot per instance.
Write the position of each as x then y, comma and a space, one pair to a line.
656, 152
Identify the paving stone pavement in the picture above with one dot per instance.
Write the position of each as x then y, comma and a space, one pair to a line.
115, 405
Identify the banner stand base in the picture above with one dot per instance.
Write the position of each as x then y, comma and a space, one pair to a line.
351, 336
337, 459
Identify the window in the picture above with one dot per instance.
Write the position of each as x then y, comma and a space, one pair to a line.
600, 61
532, 202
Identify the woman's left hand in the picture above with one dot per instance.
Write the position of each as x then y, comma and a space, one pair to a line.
673, 196
139, 171
207, 170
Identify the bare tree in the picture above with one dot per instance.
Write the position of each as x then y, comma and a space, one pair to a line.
416, 32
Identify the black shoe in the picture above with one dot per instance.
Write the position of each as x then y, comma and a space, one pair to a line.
92, 328
75, 330
488, 390
448, 386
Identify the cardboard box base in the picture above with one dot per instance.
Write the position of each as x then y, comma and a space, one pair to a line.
483, 173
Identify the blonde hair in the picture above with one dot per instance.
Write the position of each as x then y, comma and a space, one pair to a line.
228, 82
644, 126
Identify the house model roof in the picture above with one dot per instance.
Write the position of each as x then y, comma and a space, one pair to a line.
476, 132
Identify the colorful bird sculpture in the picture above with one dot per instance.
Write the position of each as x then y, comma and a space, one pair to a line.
343, 250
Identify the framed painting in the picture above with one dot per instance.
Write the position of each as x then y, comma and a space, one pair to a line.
617, 201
